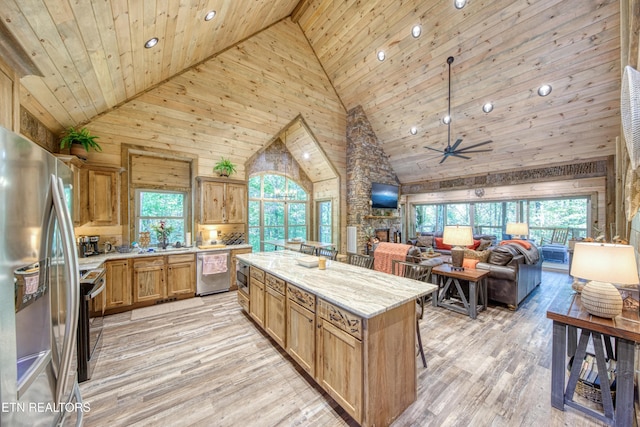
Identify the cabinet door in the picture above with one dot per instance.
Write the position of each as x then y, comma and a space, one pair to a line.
149, 280
256, 301
340, 367
80, 195
236, 204
103, 197
274, 316
181, 278
118, 283
212, 202
301, 344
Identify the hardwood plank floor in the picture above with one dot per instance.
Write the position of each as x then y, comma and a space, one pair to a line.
211, 366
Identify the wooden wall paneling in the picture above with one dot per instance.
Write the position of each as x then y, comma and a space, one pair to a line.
9, 92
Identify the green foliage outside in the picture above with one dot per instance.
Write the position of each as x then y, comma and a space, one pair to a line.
156, 206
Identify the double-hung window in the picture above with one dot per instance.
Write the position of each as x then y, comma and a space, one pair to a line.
154, 206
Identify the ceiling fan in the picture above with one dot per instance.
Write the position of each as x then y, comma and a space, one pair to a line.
453, 150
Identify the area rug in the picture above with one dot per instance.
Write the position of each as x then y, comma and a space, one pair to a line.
168, 307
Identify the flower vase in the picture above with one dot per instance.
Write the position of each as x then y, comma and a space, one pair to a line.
163, 242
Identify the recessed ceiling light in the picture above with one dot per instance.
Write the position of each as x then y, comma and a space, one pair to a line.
413, 130
381, 55
210, 15
459, 4
416, 31
446, 119
544, 90
151, 43
305, 155
488, 107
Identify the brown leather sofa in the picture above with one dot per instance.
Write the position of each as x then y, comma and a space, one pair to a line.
514, 273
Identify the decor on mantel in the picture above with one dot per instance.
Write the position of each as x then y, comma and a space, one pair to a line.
224, 167
458, 236
79, 142
603, 264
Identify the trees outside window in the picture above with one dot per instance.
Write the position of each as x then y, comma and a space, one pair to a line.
154, 206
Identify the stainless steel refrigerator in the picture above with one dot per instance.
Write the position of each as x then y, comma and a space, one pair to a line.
39, 289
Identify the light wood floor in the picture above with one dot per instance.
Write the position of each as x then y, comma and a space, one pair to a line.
210, 366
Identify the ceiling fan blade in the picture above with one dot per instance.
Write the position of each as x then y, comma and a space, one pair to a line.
461, 156
455, 145
475, 145
444, 158
434, 149
475, 151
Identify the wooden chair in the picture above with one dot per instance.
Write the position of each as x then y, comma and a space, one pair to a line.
329, 253
360, 260
419, 272
307, 249
559, 237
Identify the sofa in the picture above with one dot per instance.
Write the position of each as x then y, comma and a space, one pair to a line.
433, 240
515, 268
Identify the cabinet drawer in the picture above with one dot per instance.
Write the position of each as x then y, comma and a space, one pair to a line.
303, 298
256, 274
243, 300
148, 262
171, 259
275, 283
348, 322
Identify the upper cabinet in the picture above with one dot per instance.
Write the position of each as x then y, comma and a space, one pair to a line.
103, 196
222, 201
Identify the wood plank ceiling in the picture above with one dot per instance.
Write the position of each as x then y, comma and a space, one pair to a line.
92, 57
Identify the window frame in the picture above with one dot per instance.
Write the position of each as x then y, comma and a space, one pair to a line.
138, 207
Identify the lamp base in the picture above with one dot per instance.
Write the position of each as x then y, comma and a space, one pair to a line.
601, 299
457, 257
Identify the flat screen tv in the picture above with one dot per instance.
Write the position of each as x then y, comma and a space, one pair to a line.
384, 196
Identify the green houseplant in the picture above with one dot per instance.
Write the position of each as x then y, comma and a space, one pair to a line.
79, 142
224, 167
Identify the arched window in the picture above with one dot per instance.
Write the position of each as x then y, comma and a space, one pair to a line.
278, 209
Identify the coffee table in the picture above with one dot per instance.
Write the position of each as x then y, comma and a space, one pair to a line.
445, 277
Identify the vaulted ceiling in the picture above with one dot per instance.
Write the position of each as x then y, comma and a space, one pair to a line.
92, 60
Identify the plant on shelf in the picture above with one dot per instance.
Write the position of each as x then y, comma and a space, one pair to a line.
163, 232
224, 167
79, 142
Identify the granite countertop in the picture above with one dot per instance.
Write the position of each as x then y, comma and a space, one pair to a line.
91, 262
361, 291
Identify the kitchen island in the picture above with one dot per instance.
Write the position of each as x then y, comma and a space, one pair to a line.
353, 330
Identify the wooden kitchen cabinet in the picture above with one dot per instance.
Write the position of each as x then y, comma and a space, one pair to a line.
234, 262
222, 201
301, 328
256, 295
103, 196
339, 363
181, 275
118, 285
275, 309
149, 279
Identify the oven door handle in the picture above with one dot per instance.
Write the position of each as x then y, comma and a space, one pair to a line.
95, 292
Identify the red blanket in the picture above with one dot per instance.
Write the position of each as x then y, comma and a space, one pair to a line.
386, 253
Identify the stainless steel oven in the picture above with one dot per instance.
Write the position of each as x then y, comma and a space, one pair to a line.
242, 277
93, 301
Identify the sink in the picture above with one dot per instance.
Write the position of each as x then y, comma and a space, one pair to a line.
164, 251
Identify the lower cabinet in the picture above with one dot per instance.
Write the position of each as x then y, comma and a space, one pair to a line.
118, 284
181, 271
256, 295
274, 309
148, 279
301, 328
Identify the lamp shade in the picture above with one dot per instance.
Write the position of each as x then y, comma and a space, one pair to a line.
517, 228
605, 262
457, 235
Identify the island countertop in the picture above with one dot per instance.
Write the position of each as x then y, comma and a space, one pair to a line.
364, 292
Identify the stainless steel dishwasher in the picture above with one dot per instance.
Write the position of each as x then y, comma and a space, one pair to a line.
214, 274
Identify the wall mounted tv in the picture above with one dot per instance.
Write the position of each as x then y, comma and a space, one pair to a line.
384, 196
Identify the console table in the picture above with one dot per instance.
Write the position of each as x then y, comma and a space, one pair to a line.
567, 314
445, 277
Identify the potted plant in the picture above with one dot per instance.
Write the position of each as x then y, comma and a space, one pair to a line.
79, 142
224, 167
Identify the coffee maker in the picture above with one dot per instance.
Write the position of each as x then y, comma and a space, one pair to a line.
88, 245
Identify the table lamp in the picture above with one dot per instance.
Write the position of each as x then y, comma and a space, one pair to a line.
213, 235
458, 236
603, 264
518, 230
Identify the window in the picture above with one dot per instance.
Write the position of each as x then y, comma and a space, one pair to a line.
154, 206
278, 210
324, 221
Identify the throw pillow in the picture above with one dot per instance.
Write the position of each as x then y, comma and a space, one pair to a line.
425, 241
484, 244
475, 245
440, 245
481, 256
414, 254
470, 263
500, 256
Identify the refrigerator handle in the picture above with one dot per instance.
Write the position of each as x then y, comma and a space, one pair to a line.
73, 284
